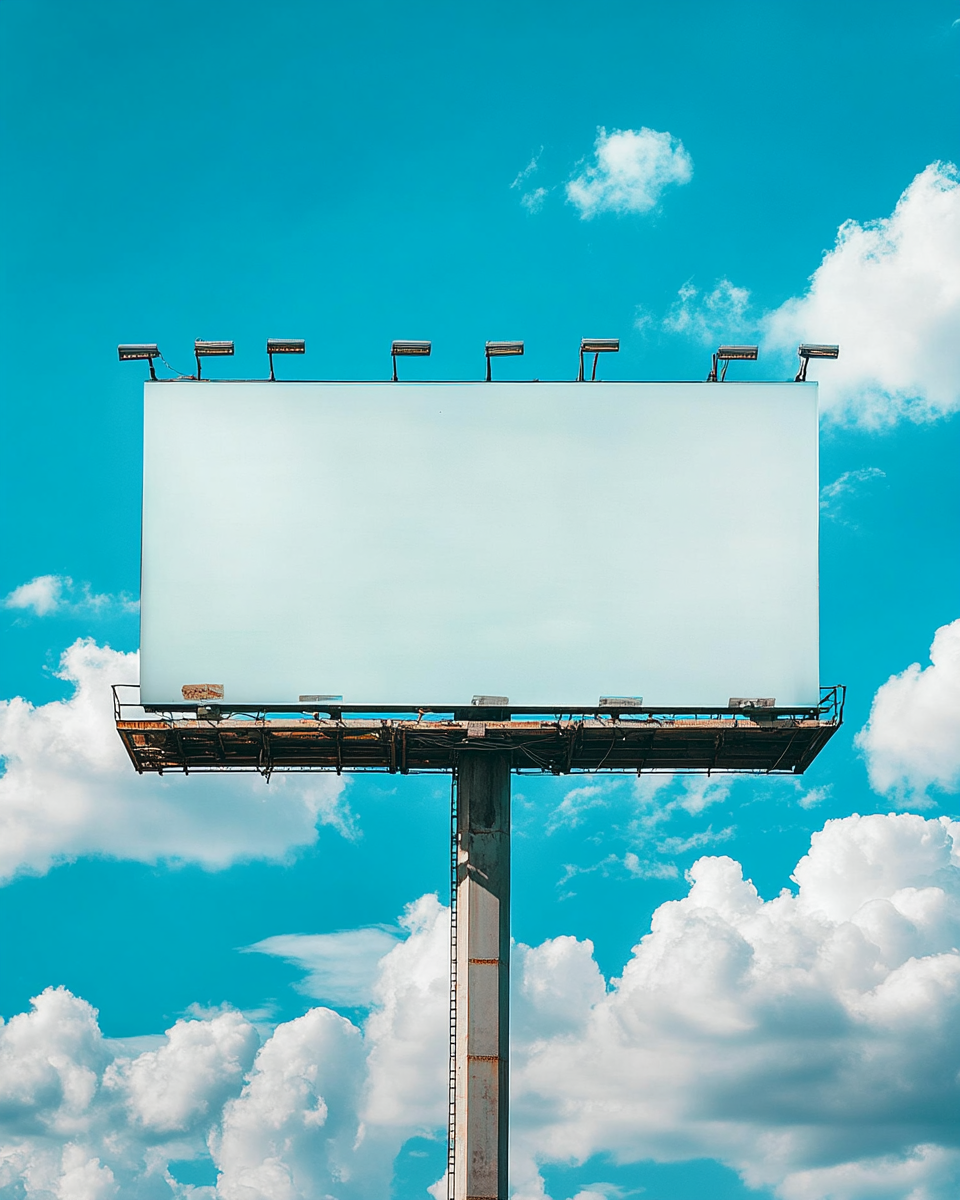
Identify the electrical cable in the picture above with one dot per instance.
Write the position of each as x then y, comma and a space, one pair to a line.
179, 374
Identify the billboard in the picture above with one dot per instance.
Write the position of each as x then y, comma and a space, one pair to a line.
420, 544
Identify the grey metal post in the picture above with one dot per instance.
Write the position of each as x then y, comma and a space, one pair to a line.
482, 976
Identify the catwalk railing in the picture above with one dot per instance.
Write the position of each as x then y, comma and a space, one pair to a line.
410, 740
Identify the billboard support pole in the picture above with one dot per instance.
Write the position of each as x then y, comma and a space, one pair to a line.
481, 945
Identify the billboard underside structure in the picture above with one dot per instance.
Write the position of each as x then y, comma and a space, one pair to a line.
387, 548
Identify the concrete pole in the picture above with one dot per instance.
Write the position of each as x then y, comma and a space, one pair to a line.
483, 976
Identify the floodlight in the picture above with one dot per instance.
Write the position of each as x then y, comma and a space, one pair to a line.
210, 350
807, 352
147, 351
621, 702
284, 346
751, 702
490, 701
407, 349
596, 347
727, 355
501, 350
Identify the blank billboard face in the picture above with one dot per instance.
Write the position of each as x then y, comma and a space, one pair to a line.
404, 544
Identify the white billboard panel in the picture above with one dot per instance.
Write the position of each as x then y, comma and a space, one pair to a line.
553, 543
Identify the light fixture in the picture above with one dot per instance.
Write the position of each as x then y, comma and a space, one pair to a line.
408, 349
751, 702
501, 350
284, 346
807, 352
596, 347
621, 702
147, 351
727, 355
210, 350
490, 701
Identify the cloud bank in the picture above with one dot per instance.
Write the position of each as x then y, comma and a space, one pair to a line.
912, 738
629, 173
321, 1108
68, 788
810, 1041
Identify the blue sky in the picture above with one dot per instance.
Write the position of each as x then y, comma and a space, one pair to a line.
357, 174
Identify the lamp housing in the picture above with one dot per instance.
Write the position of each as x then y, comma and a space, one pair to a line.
806, 351
727, 355
126, 353
202, 349
596, 347
140, 350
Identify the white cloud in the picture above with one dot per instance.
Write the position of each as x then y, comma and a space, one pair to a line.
341, 967
530, 169
68, 788
810, 1041
718, 315
630, 171
574, 806
833, 494
408, 1030
646, 869
292, 1131
912, 738
190, 1076
49, 594
889, 294
692, 794
42, 595
320, 1109
533, 199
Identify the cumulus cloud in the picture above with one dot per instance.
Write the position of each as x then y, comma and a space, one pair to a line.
178, 1086
292, 1131
889, 293
68, 788
629, 173
912, 738
320, 1109
49, 594
408, 1029
810, 1041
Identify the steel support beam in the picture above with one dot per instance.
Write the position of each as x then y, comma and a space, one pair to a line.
483, 976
